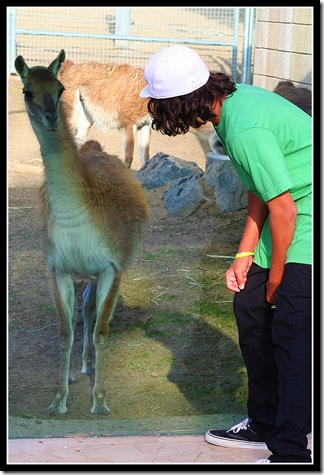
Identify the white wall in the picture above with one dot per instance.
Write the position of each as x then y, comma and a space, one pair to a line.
283, 46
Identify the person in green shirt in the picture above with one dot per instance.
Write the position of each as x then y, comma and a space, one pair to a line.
269, 142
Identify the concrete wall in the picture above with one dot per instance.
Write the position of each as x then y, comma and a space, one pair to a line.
283, 46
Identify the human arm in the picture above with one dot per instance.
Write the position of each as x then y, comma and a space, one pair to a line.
236, 275
283, 214
261, 161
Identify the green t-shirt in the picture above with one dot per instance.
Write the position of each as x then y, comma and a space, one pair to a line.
269, 142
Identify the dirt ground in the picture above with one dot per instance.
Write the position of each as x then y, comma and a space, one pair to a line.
160, 351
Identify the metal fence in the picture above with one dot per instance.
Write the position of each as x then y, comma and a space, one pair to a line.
222, 36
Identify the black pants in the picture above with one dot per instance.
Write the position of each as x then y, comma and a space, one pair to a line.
276, 348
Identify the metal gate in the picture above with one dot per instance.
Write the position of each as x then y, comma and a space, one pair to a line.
222, 36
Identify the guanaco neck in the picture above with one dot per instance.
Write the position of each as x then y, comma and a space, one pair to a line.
63, 179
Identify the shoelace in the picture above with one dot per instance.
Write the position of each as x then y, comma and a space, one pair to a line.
242, 425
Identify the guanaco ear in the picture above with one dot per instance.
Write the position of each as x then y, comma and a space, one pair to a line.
21, 67
55, 66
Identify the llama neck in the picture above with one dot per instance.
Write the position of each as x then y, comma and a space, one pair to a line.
60, 158
57, 146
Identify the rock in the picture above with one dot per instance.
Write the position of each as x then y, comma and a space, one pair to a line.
162, 169
184, 196
189, 185
230, 193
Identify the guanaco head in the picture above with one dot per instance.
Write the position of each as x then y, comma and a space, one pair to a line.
42, 90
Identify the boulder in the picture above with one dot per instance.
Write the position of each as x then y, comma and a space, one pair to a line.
184, 196
162, 169
189, 186
230, 193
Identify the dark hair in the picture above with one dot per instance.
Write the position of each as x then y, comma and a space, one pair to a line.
175, 115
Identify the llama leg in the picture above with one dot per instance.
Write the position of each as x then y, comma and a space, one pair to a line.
63, 293
128, 144
107, 295
143, 140
81, 119
72, 378
89, 304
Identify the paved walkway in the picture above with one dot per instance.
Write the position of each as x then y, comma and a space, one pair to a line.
183, 449
157, 441
125, 450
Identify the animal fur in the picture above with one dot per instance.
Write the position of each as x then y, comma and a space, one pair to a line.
107, 96
94, 214
300, 96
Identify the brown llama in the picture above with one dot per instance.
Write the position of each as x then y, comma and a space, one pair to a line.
94, 215
107, 95
300, 96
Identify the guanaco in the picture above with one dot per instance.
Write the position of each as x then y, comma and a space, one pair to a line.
94, 214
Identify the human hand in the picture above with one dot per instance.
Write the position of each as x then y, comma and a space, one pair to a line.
236, 276
271, 288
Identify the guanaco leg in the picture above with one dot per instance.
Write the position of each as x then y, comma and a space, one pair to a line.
106, 302
64, 298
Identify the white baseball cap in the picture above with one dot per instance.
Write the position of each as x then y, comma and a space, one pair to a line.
174, 71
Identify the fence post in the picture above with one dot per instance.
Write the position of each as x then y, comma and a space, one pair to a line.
12, 16
123, 22
247, 46
235, 38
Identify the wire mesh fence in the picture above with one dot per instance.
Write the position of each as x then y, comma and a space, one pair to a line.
126, 34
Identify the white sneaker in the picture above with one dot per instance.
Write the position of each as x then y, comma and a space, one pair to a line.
263, 461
